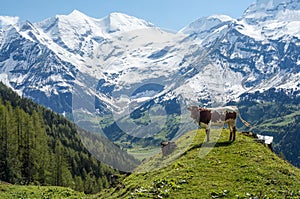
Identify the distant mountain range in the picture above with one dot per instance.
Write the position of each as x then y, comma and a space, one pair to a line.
120, 66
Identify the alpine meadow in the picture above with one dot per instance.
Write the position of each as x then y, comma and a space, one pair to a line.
117, 107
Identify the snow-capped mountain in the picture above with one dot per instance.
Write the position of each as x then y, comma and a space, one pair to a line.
65, 61
262, 47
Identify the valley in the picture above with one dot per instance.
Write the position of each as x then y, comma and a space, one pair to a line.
101, 95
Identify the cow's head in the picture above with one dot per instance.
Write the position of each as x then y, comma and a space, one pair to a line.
194, 112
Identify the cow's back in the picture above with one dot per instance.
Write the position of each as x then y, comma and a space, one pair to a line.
222, 115
225, 109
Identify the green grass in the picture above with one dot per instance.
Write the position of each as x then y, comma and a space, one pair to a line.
281, 121
141, 154
242, 169
8, 191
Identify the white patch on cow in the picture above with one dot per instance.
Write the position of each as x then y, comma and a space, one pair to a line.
206, 126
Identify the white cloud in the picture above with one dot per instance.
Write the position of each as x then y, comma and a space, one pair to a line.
7, 20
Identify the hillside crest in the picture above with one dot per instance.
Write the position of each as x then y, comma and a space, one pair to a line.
242, 169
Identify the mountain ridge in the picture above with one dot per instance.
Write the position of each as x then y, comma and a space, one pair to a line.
106, 77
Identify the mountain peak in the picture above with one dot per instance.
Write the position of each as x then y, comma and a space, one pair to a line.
264, 10
204, 24
77, 13
116, 22
273, 3
119, 15
75, 19
74, 16
276, 4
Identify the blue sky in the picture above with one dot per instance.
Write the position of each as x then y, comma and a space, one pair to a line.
169, 14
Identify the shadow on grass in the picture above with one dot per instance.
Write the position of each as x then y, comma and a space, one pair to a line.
222, 144
209, 145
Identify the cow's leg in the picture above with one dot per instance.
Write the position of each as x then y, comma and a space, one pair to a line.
234, 132
232, 129
207, 134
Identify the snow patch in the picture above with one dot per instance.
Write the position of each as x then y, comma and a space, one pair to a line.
8, 20
205, 24
118, 22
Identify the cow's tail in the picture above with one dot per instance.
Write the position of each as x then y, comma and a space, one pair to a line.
244, 121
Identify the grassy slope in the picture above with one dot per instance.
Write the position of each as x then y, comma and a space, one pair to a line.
8, 191
281, 121
241, 169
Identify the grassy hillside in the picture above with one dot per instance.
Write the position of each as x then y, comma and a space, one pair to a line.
8, 191
242, 169
280, 119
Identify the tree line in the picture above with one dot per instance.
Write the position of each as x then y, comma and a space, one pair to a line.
40, 147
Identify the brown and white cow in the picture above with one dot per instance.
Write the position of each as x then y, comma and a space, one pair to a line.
207, 117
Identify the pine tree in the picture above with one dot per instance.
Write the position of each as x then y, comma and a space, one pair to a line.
4, 169
40, 150
58, 162
90, 183
63, 176
14, 162
79, 185
28, 157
